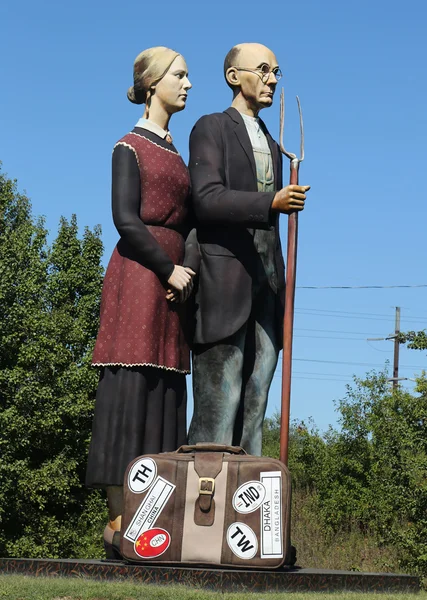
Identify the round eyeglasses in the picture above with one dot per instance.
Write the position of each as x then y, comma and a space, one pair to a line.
263, 72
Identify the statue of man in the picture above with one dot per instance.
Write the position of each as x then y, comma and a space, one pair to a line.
236, 174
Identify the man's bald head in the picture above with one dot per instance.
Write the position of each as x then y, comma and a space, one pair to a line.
244, 53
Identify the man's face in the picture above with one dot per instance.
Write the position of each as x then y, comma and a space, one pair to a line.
258, 93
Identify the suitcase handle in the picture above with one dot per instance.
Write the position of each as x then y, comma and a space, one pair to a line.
208, 447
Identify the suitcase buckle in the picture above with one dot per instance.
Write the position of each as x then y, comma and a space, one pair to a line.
206, 486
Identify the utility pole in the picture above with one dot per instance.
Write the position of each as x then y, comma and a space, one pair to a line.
396, 348
395, 337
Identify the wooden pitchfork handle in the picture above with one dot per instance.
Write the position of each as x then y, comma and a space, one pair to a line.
291, 267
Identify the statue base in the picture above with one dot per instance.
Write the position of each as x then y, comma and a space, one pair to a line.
218, 579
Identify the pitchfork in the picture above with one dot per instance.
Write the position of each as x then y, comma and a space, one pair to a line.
291, 266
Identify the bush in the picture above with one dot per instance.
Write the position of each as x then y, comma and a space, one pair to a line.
371, 476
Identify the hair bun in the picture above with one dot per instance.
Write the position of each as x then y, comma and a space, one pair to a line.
132, 97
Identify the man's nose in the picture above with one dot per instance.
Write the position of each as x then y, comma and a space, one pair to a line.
272, 78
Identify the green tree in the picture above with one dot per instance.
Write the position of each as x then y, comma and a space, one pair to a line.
416, 340
49, 307
371, 474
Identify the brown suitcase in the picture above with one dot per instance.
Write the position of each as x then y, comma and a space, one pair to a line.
207, 504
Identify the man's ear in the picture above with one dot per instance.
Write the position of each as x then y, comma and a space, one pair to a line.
232, 76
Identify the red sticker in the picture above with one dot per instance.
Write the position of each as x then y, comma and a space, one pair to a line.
152, 543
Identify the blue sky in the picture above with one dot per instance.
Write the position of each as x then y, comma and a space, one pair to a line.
359, 69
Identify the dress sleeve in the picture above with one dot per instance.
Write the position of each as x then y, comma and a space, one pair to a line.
126, 200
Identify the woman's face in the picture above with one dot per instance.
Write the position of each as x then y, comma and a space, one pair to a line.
171, 91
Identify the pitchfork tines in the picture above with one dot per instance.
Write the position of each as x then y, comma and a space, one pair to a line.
291, 155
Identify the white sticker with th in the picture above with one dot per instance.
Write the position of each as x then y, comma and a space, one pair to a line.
142, 475
150, 508
271, 516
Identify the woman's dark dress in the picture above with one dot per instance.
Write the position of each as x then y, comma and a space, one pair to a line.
141, 344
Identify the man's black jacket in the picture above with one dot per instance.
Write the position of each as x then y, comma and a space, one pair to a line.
228, 209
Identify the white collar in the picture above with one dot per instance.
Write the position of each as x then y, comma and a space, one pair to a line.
153, 127
249, 119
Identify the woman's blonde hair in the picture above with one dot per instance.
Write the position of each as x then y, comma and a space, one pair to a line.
149, 67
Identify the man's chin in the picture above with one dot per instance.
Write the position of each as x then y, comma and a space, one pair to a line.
265, 101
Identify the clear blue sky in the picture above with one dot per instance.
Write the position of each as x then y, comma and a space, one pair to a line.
359, 68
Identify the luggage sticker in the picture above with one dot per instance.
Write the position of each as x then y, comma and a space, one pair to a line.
242, 540
271, 516
150, 508
152, 543
248, 497
142, 475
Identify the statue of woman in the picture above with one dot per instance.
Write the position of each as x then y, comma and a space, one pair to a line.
142, 343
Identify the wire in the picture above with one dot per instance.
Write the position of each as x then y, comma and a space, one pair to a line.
378, 349
358, 287
360, 364
343, 316
338, 316
344, 312
338, 331
326, 374
327, 337
318, 379
322, 375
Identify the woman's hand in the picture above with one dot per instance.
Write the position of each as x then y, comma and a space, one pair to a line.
181, 282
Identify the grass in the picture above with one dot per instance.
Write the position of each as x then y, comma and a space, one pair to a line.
20, 587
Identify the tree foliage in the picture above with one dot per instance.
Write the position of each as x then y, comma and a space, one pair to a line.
416, 340
49, 306
372, 473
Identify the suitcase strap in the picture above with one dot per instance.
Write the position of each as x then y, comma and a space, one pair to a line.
208, 465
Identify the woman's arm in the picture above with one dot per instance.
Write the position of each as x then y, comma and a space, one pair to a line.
126, 200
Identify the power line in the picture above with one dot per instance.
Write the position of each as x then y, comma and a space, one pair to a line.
327, 337
337, 331
377, 349
344, 312
318, 379
301, 375
358, 287
360, 364
333, 314
326, 374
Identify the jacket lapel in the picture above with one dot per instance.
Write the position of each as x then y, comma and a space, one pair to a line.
243, 137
